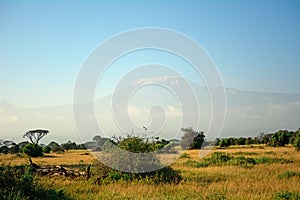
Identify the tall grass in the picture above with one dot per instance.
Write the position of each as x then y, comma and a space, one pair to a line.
268, 179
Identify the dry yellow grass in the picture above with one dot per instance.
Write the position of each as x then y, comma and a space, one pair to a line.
213, 182
72, 157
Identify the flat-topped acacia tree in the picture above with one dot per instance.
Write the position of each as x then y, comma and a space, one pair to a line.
35, 135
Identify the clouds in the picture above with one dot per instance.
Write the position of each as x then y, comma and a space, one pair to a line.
248, 113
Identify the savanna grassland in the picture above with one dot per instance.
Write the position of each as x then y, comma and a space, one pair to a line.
237, 172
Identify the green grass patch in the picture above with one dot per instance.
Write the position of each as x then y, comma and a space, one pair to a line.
287, 195
193, 163
18, 182
289, 174
185, 155
246, 153
221, 158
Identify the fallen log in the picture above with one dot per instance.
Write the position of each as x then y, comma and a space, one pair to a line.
57, 170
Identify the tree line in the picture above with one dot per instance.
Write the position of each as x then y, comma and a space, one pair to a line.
191, 139
276, 139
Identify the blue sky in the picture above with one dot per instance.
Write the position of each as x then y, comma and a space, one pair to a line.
255, 44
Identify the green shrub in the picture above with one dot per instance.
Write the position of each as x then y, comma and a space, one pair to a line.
218, 158
185, 155
215, 195
269, 160
33, 150
193, 163
4, 149
244, 153
46, 149
242, 160
296, 143
17, 182
289, 174
134, 160
287, 195
14, 149
104, 175
136, 144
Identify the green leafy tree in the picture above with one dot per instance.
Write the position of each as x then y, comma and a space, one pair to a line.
225, 142
280, 138
136, 144
33, 150
46, 149
192, 139
297, 141
69, 145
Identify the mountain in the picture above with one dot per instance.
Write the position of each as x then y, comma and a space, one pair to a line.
151, 108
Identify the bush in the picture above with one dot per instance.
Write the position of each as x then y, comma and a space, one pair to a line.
46, 149
192, 139
134, 161
57, 149
18, 183
97, 148
33, 150
289, 174
193, 163
185, 155
296, 143
105, 175
14, 149
218, 158
4, 149
287, 195
243, 161
136, 145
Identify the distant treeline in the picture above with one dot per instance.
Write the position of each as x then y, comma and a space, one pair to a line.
279, 138
194, 139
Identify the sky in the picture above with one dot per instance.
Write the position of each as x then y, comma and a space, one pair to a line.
255, 46
43, 44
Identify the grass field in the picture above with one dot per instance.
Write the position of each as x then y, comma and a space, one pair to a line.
276, 177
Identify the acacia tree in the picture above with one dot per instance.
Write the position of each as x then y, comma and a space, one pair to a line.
35, 135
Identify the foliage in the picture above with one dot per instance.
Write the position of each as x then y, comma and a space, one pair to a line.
55, 147
100, 141
35, 135
8, 146
33, 150
225, 142
135, 156
4, 149
192, 139
18, 183
46, 149
289, 174
132, 154
105, 175
286, 195
185, 155
220, 158
196, 164
280, 138
68, 145
296, 143
136, 144
14, 149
